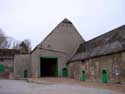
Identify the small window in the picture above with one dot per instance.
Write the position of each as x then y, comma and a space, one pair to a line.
49, 45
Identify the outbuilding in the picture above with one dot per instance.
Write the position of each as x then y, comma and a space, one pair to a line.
101, 59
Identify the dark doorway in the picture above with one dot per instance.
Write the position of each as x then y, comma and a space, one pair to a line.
48, 67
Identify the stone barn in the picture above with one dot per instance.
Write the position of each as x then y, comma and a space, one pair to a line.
64, 53
49, 58
101, 59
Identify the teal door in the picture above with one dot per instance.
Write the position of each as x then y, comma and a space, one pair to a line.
104, 76
83, 76
56, 69
64, 72
2, 68
25, 73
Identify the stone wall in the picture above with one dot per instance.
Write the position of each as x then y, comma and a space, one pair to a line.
8, 66
21, 64
112, 64
123, 68
74, 70
62, 59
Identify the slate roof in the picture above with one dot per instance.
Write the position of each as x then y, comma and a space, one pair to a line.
65, 21
108, 43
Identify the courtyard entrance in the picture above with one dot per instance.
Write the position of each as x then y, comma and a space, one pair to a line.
48, 67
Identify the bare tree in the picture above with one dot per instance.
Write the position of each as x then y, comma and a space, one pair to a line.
4, 43
28, 43
9, 42
25, 46
16, 45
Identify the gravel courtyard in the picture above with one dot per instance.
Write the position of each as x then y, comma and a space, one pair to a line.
46, 87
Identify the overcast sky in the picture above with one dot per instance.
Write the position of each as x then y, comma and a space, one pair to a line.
34, 19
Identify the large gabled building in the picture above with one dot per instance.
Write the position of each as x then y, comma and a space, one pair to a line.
50, 56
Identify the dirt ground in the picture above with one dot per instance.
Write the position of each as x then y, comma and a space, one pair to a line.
120, 87
57, 86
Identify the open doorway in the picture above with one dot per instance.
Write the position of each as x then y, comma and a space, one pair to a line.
48, 67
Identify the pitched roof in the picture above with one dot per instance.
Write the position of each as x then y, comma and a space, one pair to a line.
65, 21
108, 43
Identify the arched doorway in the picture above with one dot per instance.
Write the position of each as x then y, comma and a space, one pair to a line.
104, 76
64, 72
2, 68
25, 73
83, 75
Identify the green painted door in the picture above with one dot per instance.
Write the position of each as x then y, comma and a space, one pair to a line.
56, 69
25, 73
104, 76
64, 72
2, 68
83, 76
